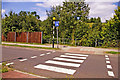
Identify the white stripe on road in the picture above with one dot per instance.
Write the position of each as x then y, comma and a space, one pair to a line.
56, 69
53, 51
63, 63
73, 57
110, 73
48, 53
109, 66
107, 61
107, 58
71, 60
34, 57
76, 54
42, 54
0, 63
23, 60
9, 63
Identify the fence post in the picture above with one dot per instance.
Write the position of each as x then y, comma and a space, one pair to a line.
75, 42
27, 37
41, 37
96, 43
15, 37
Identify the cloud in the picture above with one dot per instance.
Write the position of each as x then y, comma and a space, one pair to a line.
50, 3
101, 0
42, 18
58, 0
3, 11
105, 10
24, 0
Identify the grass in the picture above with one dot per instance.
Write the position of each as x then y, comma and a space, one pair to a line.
5, 68
108, 47
113, 52
31, 46
24, 43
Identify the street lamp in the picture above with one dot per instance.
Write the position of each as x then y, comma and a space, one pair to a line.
53, 30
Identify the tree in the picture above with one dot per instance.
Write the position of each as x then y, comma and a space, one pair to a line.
67, 15
21, 22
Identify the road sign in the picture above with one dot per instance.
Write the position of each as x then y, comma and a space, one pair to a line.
56, 23
78, 18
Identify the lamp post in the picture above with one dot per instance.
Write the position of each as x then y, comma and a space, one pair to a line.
53, 30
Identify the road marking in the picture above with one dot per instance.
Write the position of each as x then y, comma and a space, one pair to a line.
23, 60
73, 57
76, 54
9, 63
0, 63
110, 73
107, 61
107, 58
53, 51
109, 66
34, 57
42, 54
56, 69
63, 63
48, 53
71, 60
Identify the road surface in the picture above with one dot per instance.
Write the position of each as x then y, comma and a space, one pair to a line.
54, 64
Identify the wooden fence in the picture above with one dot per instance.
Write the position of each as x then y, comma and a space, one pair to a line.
26, 37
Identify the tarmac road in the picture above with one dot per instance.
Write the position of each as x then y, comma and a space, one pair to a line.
54, 64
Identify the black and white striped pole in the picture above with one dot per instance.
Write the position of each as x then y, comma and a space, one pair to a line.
53, 30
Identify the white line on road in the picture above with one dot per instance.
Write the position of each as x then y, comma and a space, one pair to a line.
73, 57
107, 61
110, 73
23, 60
109, 66
34, 57
48, 53
56, 69
71, 60
76, 54
107, 58
9, 63
42, 54
63, 63
53, 51
0, 63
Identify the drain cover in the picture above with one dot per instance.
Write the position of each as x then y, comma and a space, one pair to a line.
20, 58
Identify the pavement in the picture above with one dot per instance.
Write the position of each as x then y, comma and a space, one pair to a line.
67, 63
78, 49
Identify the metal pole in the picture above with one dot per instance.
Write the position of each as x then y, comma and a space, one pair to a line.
57, 37
53, 36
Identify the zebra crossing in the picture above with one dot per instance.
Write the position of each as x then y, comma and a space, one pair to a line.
66, 60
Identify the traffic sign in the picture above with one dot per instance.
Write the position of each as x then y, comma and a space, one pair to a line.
56, 23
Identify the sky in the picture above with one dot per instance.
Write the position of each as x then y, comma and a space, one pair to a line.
98, 8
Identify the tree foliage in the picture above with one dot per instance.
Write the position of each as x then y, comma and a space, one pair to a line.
21, 22
74, 25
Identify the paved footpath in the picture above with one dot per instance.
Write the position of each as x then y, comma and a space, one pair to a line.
56, 64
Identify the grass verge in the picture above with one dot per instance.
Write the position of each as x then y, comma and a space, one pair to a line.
108, 47
113, 52
31, 46
5, 68
24, 43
